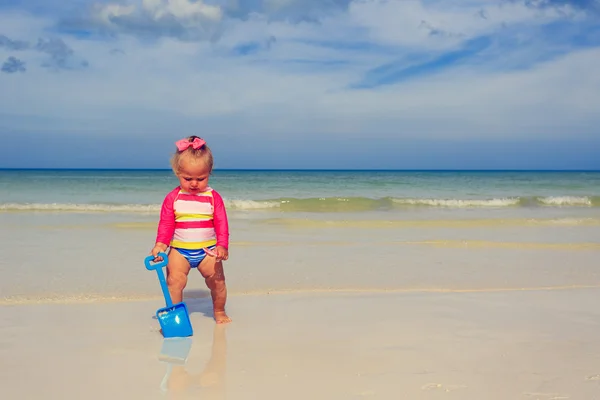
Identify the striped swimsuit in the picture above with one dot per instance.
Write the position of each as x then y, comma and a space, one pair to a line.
192, 222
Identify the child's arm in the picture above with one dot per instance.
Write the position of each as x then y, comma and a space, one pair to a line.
166, 225
221, 227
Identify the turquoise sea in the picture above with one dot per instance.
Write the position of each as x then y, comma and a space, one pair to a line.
394, 192
78, 235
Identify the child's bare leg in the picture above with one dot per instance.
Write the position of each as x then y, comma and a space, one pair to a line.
213, 274
177, 273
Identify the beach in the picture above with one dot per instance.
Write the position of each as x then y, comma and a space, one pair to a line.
405, 196
494, 345
459, 301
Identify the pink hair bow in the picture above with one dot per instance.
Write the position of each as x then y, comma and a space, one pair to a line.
185, 143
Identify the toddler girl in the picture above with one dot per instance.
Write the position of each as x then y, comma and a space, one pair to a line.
193, 222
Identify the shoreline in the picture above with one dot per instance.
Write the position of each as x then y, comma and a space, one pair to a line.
204, 294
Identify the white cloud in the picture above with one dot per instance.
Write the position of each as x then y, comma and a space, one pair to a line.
183, 10
440, 24
106, 12
184, 19
295, 87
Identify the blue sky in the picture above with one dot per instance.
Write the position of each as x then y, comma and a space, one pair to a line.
408, 84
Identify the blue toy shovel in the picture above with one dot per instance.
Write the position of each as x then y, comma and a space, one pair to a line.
174, 319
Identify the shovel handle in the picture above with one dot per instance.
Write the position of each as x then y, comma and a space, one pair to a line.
161, 277
159, 264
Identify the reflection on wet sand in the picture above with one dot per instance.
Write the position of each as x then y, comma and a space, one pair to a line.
178, 383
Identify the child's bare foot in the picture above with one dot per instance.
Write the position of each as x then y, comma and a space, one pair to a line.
221, 317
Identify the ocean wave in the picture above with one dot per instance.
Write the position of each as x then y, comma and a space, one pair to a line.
566, 201
80, 208
328, 204
251, 204
460, 203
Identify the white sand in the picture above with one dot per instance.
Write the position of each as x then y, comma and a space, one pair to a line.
486, 345
357, 310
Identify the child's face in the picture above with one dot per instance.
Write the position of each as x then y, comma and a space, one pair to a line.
193, 176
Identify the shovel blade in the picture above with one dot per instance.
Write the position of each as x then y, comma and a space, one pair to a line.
175, 321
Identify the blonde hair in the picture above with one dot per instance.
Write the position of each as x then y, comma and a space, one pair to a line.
202, 154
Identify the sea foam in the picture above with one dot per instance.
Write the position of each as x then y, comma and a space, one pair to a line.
321, 204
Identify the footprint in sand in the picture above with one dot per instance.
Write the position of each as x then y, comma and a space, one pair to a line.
593, 377
439, 386
431, 386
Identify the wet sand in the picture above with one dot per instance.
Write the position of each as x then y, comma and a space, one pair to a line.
518, 344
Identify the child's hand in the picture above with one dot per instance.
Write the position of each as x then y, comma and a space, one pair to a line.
222, 253
219, 252
158, 248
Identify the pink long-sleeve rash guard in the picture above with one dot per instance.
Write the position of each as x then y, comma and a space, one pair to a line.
166, 225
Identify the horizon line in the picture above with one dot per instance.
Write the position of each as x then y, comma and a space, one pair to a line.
310, 169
